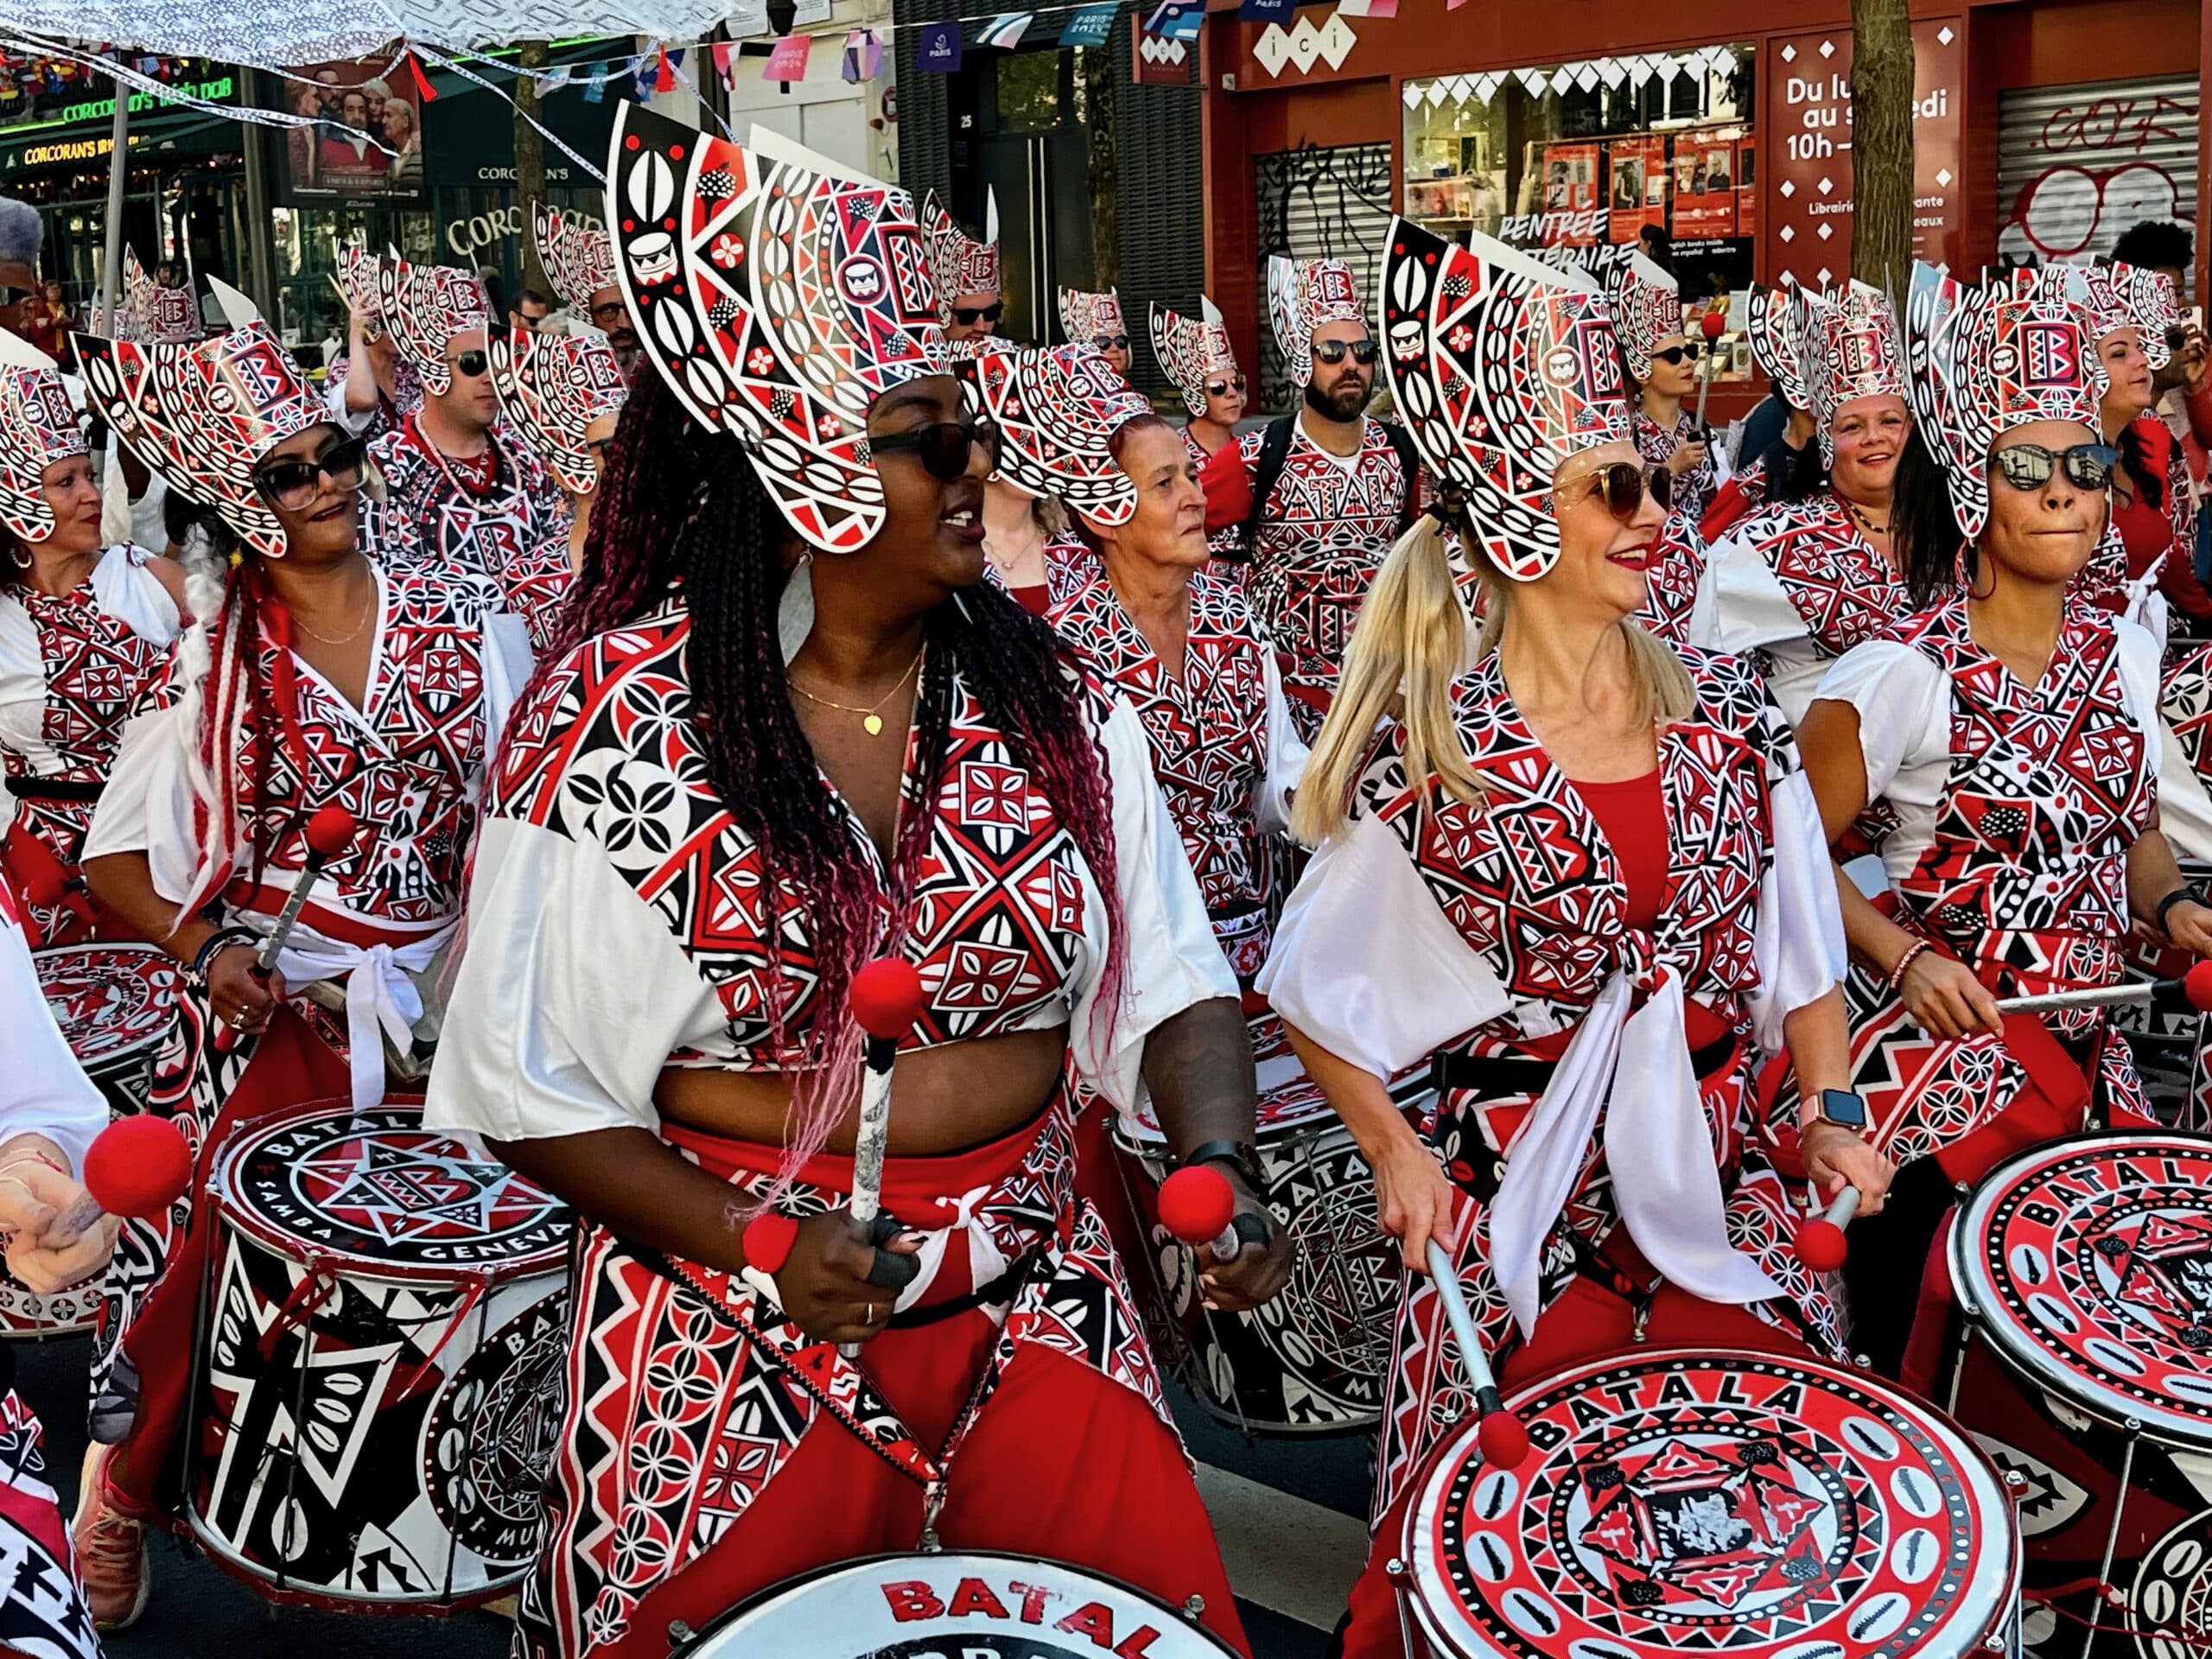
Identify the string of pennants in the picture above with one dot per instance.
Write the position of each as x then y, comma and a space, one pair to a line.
1635, 72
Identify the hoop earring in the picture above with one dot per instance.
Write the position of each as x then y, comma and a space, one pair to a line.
23, 557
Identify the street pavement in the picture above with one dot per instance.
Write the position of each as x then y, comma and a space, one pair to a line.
1287, 1513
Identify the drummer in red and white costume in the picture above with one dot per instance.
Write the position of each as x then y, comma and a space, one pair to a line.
579, 261
48, 1115
1661, 361
970, 284
1803, 580
1610, 881
2014, 734
562, 393
83, 628
1096, 321
1776, 323
802, 732
313, 676
2153, 509
460, 491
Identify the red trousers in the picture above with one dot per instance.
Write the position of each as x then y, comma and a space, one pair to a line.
1062, 1462
1587, 1322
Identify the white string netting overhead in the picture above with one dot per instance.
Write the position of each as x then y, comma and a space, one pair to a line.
273, 35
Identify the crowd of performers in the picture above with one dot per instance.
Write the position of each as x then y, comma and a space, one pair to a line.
779, 617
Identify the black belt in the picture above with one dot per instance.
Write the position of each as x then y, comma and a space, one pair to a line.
54, 789
1497, 1076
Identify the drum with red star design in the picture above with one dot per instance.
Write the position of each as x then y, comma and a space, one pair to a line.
380, 1381
114, 1004
1720, 1503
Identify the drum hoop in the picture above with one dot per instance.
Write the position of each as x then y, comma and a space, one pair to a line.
112, 1055
345, 1263
271, 1586
1994, 1505
2031, 1363
761, 1599
1144, 1140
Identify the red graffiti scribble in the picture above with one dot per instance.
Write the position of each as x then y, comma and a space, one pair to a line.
2129, 124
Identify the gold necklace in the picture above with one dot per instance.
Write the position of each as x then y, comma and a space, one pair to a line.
871, 720
368, 610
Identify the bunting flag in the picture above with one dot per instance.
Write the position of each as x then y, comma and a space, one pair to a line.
787, 58
596, 86
718, 54
863, 55
664, 76
1005, 31
1267, 11
1178, 20
936, 49
1091, 26
1367, 8
423, 89
560, 78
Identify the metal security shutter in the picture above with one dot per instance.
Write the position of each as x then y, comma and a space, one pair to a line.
1157, 171
924, 126
1318, 203
2077, 165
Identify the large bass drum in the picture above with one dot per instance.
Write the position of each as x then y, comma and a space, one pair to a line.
980, 1605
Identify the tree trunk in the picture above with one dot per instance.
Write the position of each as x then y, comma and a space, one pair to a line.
1096, 67
1881, 143
530, 162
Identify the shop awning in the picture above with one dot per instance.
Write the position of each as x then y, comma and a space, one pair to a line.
80, 144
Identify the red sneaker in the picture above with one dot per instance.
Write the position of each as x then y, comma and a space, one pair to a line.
110, 1548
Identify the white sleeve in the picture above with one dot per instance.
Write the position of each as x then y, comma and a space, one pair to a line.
1286, 752
2139, 666
1798, 937
1367, 965
1904, 718
571, 995
1171, 959
507, 665
126, 588
42, 1088
146, 806
333, 400
1748, 606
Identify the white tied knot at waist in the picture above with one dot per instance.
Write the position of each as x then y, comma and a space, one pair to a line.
381, 998
985, 1261
1658, 1149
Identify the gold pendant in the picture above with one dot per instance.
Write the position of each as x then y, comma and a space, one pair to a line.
873, 722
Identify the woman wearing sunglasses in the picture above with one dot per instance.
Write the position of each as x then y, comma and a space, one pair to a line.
1662, 363
84, 628
1578, 870
1811, 575
311, 677
2013, 737
800, 732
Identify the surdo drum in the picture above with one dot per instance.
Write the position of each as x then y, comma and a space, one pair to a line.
1312, 1360
983, 1605
379, 1378
2084, 1268
1713, 1502
115, 1004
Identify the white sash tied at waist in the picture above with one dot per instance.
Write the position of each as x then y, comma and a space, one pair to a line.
381, 996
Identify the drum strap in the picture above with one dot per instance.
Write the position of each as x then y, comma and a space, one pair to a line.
999, 1292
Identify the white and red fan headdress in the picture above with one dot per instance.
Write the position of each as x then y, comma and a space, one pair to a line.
552, 387
778, 298
1647, 305
1057, 410
1776, 323
1852, 349
424, 307
39, 425
1502, 367
579, 259
1192, 349
1302, 294
2130, 296
958, 263
1086, 316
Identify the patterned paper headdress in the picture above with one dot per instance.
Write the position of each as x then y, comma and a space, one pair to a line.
1852, 349
134, 307
202, 414
1192, 350
1084, 316
1502, 367
357, 280
778, 298
2129, 296
554, 386
579, 259
38, 427
1776, 326
1056, 410
959, 263
1302, 294
1987, 359
172, 316
1647, 306
423, 306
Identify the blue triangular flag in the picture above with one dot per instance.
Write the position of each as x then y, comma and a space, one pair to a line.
595, 86
1265, 11
1179, 20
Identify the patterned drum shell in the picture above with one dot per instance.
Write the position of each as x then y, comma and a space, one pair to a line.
1315, 1359
379, 1384
987, 1605
2169, 1047
1728, 1503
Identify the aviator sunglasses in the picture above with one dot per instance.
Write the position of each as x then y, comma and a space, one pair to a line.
2028, 466
292, 484
1220, 388
943, 447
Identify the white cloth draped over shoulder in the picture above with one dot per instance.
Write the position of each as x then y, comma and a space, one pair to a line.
42, 1088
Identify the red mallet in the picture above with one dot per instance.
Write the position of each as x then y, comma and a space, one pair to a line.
1198, 1206
887, 997
1714, 323
887, 1000
330, 832
136, 1166
2191, 992
1819, 1242
1503, 1440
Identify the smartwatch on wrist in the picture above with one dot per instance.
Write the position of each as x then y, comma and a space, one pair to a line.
1241, 1155
1843, 1106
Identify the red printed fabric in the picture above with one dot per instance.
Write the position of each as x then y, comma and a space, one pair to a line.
536, 586
689, 1392
1671, 580
1208, 734
434, 512
1226, 544
1837, 579
1744, 493
2103, 580
96, 667
42, 1611
603, 751
2026, 880
1323, 534
1693, 485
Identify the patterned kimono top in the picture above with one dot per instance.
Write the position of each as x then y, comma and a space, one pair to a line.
2185, 776
617, 926
433, 512
2014, 807
72, 668
1227, 545
1798, 585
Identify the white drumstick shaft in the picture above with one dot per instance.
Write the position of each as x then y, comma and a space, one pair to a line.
1462, 1322
1845, 1207
273, 946
874, 1131
2097, 996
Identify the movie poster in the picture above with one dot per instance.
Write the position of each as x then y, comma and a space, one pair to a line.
1572, 213
1637, 167
367, 145
1747, 185
1705, 186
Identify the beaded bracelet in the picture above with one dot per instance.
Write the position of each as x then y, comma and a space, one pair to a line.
1913, 953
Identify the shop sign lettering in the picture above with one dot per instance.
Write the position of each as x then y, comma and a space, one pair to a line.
208, 92
467, 236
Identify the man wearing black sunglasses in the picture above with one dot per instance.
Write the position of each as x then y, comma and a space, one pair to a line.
458, 489
966, 270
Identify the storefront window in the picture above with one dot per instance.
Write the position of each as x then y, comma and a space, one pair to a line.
1584, 156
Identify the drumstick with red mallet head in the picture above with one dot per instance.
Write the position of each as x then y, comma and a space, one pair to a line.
1819, 1242
137, 1167
1713, 326
886, 998
330, 831
2192, 991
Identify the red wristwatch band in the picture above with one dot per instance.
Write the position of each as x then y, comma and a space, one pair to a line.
768, 1238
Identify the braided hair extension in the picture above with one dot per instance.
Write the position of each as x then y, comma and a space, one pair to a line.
681, 506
